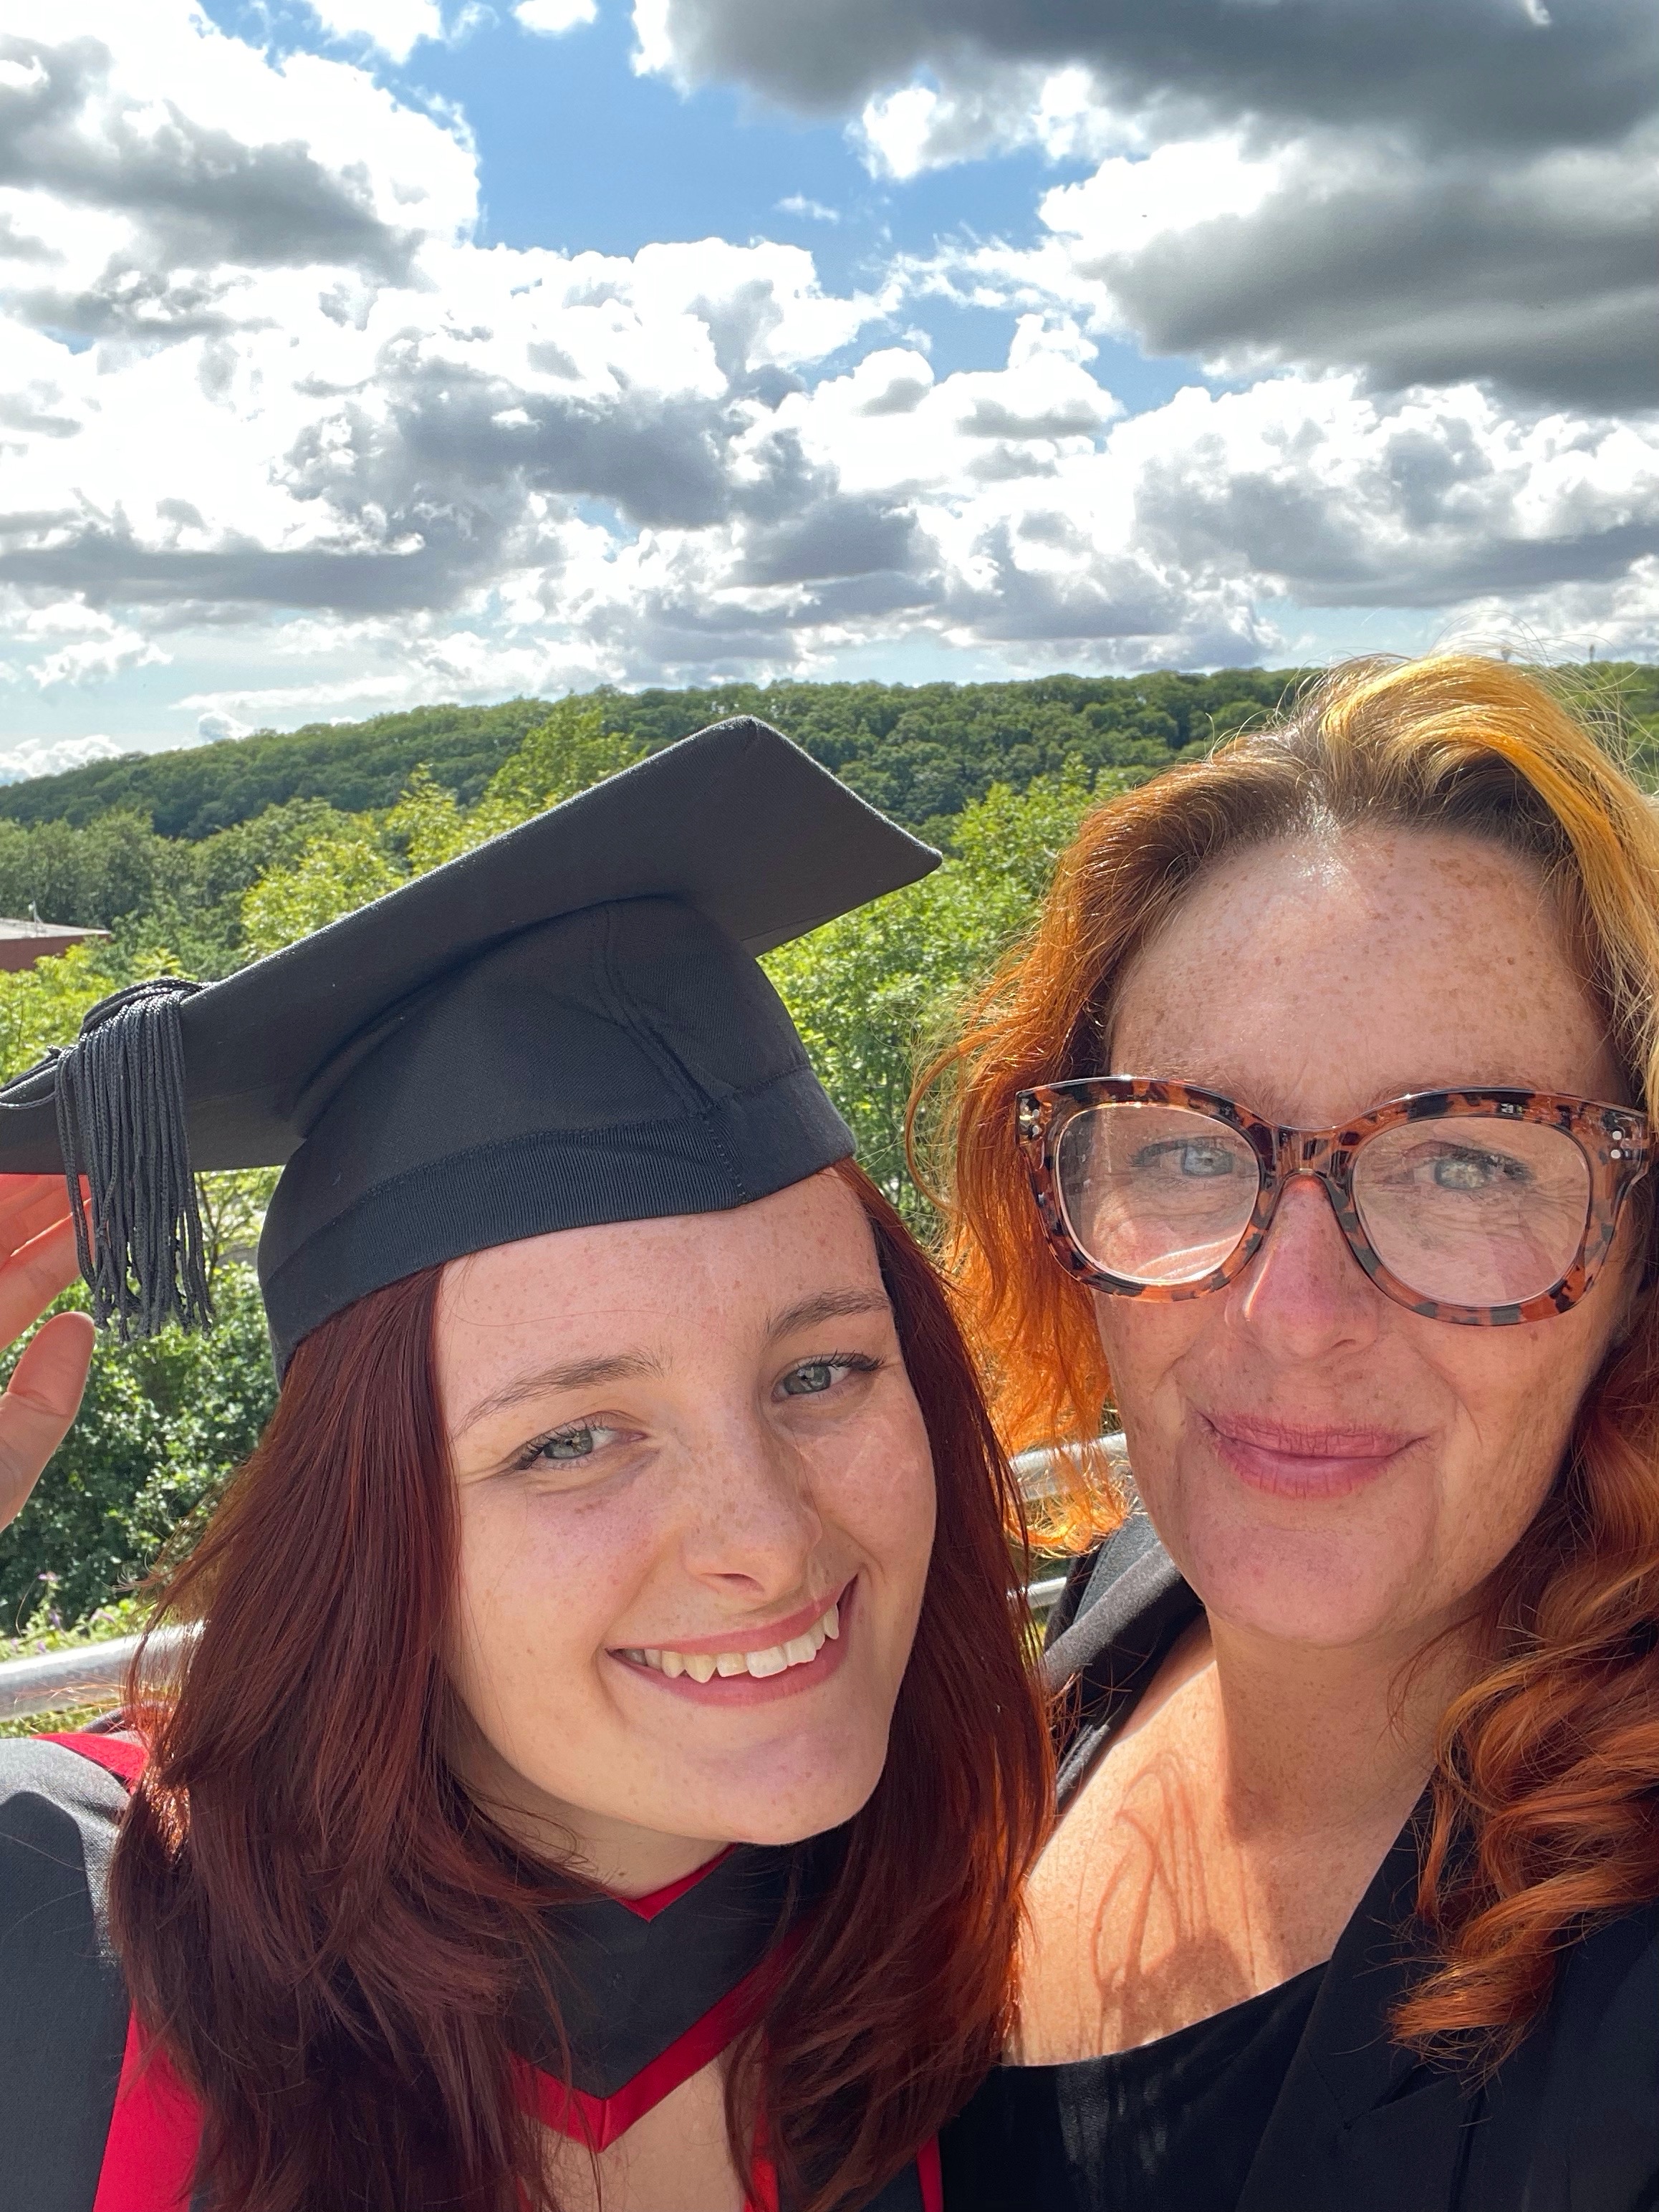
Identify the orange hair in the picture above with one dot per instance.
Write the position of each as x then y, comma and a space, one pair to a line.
1545, 1791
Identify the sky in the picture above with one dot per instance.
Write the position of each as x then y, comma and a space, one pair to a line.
358, 354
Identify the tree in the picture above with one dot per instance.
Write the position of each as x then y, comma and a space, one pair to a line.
871, 991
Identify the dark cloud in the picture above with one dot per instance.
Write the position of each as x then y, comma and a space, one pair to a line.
1431, 527
1546, 281
200, 196
839, 537
438, 436
105, 565
1122, 607
1516, 73
1474, 189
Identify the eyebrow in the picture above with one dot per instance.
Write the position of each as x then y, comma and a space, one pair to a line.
828, 1305
628, 1366
569, 1375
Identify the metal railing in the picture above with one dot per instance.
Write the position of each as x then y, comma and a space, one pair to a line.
54, 1681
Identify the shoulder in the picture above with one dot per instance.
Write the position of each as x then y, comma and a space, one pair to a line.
1572, 2119
1604, 2115
62, 2004
58, 1816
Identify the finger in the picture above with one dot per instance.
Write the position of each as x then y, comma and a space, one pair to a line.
34, 1276
40, 1401
21, 1193
27, 1221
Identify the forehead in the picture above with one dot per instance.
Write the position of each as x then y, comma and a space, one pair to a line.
1315, 976
693, 1277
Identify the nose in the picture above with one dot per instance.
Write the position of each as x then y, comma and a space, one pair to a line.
1305, 1296
751, 1521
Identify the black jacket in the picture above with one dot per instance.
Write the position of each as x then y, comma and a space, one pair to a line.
1571, 2124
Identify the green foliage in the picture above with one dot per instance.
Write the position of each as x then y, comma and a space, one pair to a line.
574, 748
870, 991
355, 766
163, 1423
333, 877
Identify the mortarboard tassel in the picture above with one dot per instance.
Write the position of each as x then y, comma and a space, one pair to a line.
121, 1125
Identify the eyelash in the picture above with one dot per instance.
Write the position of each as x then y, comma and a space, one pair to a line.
852, 1363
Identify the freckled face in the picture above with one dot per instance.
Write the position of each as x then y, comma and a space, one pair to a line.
685, 1439
1324, 1466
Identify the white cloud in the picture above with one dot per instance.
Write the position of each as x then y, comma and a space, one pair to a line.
809, 210
1425, 190
50, 755
211, 728
397, 27
309, 430
1331, 252
553, 18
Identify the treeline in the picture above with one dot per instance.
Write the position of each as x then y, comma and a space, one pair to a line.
921, 752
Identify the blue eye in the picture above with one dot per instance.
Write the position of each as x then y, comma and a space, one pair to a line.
812, 1380
1470, 1171
565, 1447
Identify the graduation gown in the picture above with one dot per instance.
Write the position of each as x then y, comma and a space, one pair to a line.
1569, 2124
656, 1990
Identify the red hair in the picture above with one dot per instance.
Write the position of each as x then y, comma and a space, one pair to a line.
323, 1931
1546, 1814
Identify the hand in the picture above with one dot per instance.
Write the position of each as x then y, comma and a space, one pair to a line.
37, 1260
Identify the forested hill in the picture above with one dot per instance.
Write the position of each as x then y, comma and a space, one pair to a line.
921, 752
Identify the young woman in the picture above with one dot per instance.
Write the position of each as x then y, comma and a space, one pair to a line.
604, 1769
1328, 1080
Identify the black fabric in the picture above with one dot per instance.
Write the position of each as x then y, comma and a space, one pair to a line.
565, 1026
63, 2006
628, 1987
1125, 1604
1173, 2123
1569, 2124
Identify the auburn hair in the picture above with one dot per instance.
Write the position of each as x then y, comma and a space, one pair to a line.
1546, 1789
323, 1932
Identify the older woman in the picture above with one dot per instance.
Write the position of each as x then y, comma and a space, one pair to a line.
1326, 1078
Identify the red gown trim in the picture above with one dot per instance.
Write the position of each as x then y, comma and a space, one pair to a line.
156, 2129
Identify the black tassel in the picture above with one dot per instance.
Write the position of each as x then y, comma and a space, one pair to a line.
121, 1125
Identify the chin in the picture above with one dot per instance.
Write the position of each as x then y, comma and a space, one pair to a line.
787, 1806
1312, 1600
1318, 1588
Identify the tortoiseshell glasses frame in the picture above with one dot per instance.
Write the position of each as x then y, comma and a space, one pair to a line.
1615, 1141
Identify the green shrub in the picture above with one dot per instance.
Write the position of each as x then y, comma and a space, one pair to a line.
162, 1426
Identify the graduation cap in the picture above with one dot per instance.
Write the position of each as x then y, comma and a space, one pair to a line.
565, 1026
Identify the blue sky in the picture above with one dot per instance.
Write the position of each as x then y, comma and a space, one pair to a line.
389, 350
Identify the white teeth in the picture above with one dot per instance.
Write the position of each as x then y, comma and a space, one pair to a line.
800, 1651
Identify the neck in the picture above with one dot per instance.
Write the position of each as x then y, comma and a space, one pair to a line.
1315, 1740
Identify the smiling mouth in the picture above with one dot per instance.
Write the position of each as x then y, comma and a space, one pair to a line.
773, 1659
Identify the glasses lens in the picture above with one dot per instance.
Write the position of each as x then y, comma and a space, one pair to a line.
1474, 1210
1154, 1193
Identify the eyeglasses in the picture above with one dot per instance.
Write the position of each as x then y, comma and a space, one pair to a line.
1480, 1207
